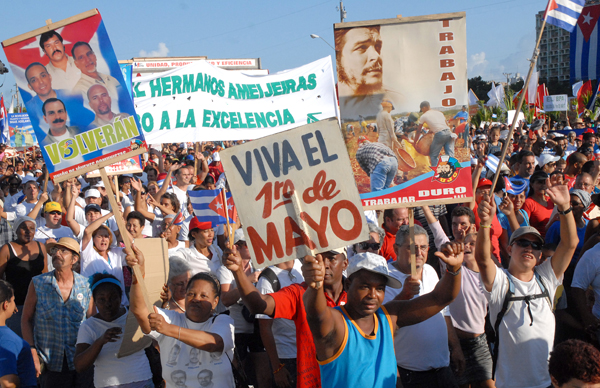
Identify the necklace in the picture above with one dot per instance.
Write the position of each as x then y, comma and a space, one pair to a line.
177, 304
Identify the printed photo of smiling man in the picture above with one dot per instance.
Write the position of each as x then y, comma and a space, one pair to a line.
61, 67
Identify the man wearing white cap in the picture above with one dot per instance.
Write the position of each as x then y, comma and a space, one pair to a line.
362, 329
547, 162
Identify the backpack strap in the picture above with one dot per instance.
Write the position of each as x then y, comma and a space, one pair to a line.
510, 292
271, 277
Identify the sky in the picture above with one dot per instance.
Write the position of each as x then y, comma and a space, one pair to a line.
500, 33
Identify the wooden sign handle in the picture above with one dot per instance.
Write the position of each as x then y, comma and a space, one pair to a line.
124, 235
304, 228
46, 176
413, 256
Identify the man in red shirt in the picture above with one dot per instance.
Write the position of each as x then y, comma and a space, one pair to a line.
287, 303
393, 219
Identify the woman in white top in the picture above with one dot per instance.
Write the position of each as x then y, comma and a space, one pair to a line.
97, 256
197, 346
203, 256
100, 338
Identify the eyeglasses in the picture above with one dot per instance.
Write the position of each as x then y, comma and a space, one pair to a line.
62, 251
365, 246
526, 243
55, 213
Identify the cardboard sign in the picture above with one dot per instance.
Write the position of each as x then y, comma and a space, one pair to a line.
558, 103
382, 87
201, 102
127, 166
295, 193
77, 100
157, 270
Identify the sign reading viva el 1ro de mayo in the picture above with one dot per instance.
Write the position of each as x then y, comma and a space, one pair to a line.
295, 193
404, 108
75, 94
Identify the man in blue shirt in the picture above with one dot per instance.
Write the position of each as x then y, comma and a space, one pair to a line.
463, 115
16, 362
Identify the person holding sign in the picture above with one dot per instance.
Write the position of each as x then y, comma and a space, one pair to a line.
363, 328
191, 343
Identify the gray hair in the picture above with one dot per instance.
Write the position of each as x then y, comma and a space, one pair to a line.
178, 266
403, 233
374, 228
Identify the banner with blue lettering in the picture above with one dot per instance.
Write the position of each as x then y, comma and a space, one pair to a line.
75, 94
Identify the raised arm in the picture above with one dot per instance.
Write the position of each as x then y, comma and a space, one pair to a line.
139, 202
326, 324
203, 165
74, 225
87, 233
165, 186
559, 194
137, 304
483, 246
256, 302
508, 209
475, 180
38, 206
410, 312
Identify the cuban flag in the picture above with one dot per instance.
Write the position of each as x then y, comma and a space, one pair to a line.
209, 207
585, 56
564, 13
515, 186
491, 163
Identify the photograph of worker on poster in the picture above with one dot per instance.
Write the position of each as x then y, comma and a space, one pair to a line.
402, 87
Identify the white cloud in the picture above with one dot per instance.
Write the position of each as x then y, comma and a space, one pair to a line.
162, 51
477, 64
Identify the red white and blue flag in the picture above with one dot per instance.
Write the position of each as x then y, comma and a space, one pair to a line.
585, 53
564, 13
209, 206
515, 186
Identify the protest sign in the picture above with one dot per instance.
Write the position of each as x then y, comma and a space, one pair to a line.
127, 166
75, 94
201, 102
387, 70
295, 193
511, 116
20, 130
156, 257
556, 103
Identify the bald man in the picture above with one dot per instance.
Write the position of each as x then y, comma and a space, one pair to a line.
100, 102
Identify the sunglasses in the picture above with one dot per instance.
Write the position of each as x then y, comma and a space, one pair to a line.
526, 243
54, 213
365, 246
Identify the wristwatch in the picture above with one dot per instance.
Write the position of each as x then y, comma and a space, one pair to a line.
566, 211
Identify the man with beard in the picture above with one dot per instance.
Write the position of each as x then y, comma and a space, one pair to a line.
445, 170
86, 61
55, 115
100, 102
360, 72
61, 67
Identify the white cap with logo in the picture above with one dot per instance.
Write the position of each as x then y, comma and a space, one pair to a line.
373, 263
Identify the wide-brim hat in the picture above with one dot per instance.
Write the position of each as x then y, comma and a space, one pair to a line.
66, 242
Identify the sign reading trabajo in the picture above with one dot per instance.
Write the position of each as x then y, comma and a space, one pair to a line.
295, 193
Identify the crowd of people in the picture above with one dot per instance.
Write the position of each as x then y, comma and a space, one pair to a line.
504, 290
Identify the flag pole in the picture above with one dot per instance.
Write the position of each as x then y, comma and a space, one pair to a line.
230, 235
533, 60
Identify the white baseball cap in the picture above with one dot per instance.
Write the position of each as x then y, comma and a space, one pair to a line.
547, 158
373, 263
239, 236
92, 193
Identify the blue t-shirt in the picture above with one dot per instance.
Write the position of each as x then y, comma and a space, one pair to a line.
553, 237
462, 116
16, 358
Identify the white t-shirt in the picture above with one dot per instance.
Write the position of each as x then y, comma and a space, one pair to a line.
198, 261
587, 273
423, 346
24, 208
235, 310
185, 366
435, 120
180, 245
108, 369
182, 197
92, 262
185, 230
524, 348
284, 330
42, 232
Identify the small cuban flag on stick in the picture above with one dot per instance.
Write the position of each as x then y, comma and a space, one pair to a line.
564, 13
491, 163
210, 206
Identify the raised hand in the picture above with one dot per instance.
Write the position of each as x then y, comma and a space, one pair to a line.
452, 254
313, 270
136, 184
486, 210
157, 321
232, 259
110, 335
411, 288
558, 191
507, 206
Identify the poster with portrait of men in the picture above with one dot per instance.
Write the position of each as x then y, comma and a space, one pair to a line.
403, 98
75, 95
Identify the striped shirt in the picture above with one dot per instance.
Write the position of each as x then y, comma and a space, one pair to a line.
369, 155
57, 322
